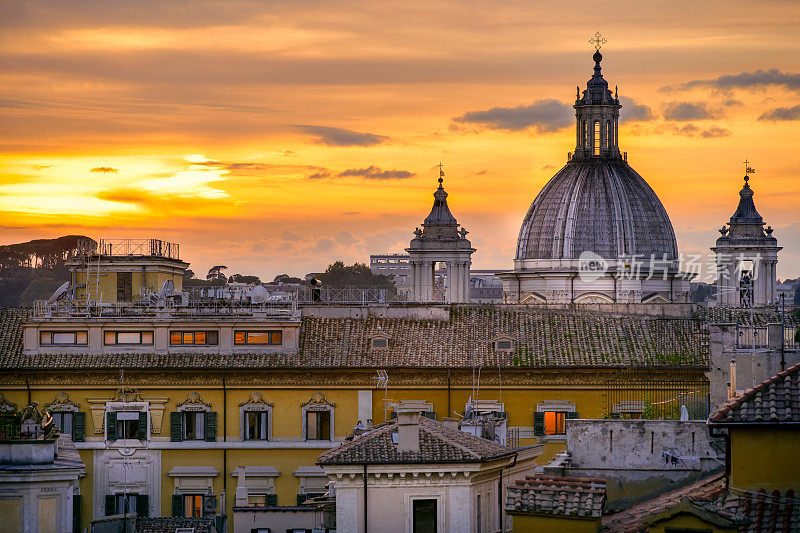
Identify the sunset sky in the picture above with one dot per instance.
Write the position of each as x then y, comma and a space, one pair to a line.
276, 136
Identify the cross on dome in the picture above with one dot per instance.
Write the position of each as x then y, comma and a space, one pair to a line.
598, 41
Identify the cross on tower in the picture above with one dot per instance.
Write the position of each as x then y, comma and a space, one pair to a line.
598, 41
747, 168
441, 172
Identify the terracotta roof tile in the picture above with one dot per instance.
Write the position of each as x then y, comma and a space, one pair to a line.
564, 496
437, 444
776, 400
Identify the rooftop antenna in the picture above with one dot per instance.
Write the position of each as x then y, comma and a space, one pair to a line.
382, 380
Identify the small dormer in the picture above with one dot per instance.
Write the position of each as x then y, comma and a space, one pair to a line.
379, 341
503, 344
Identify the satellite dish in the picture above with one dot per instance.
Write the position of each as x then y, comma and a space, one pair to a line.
166, 288
59, 292
259, 294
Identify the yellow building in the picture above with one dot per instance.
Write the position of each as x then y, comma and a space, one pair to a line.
182, 403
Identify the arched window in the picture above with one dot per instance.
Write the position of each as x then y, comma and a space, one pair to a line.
583, 134
609, 135
596, 148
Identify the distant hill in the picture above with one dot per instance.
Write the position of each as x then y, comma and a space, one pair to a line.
33, 270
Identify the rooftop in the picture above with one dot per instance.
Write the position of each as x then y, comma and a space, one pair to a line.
562, 496
754, 512
776, 400
540, 339
437, 444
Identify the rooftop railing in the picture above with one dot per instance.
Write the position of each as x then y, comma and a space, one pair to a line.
146, 247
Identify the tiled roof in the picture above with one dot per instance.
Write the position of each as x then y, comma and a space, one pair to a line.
776, 400
563, 496
630, 520
169, 525
437, 444
760, 316
542, 339
755, 512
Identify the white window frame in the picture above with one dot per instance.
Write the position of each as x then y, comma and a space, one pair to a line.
198, 407
255, 408
116, 407
317, 402
558, 406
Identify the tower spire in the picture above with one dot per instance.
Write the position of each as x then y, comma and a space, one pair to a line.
597, 113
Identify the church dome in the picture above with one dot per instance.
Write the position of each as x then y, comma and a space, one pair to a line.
597, 202
599, 205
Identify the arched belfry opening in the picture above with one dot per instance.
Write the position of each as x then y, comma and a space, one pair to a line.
599, 109
439, 255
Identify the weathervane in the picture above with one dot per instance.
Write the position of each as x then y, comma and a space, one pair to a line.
598, 41
748, 170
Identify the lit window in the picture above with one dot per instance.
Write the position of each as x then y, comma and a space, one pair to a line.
194, 338
63, 338
318, 425
128, 337
193, 505
554, 423
257, 337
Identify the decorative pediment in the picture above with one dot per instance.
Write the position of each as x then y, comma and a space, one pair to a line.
62, 402
318, 399
256, 399
193, 401
127, 394
6, 406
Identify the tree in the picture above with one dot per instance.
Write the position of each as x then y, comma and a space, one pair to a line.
358, 275
797, 295
286, 278
250, 280
216, 273
188, 274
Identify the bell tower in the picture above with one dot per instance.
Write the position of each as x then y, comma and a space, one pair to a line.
440, 242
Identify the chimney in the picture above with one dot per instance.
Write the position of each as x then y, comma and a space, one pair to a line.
408, 415
732, 391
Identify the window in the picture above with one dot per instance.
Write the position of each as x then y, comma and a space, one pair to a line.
504, 345
193, 505
257, 500
258, 337
127, 425
256, 425
380, 343
318, 425
424, 512
554, 423
596, 148
551, 421
478, 517
127, 337
125, 286
127, 503
193, 425
63, 421
194, 338
63, 338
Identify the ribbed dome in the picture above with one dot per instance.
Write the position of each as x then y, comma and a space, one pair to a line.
597, 204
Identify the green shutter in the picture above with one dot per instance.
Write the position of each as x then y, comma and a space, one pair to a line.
211, 426
538, 424
142, 505
111, 504
176, 426
571, 415
177, 505
78, 427
143, 425
76, 513
111, 426
272, 500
